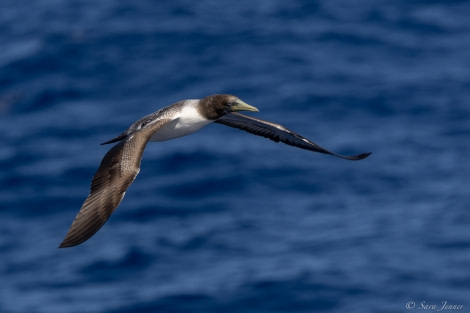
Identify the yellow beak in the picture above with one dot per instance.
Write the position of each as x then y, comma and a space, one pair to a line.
239, 105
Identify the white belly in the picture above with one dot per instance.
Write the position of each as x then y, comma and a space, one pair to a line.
188, 122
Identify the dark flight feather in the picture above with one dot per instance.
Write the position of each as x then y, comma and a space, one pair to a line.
277, 132
116, 173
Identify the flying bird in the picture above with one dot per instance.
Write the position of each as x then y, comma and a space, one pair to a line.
121, 164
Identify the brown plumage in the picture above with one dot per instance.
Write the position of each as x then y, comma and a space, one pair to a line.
117, 171
121, 164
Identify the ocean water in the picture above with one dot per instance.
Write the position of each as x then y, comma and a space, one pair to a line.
223, 221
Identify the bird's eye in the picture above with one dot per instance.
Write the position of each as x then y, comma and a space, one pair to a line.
228, 108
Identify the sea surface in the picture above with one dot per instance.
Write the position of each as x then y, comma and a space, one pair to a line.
225, 221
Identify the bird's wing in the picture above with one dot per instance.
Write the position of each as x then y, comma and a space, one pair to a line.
117, 171
277, 132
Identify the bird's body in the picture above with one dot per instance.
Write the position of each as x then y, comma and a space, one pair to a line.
121, 164
185, 122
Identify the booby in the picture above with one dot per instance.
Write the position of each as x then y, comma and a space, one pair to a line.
121, 164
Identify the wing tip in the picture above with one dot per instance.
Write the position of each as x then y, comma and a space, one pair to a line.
116, 139
361, 156
64, 245
356, 157
70, 241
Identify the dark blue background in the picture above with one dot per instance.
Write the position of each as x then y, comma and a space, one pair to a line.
222, 221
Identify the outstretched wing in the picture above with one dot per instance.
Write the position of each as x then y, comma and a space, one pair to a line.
277, 132
116, 173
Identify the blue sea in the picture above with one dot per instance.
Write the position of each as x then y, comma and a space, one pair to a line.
221, 220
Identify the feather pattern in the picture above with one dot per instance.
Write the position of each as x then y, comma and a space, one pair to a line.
117, 171
277, 132
121, 164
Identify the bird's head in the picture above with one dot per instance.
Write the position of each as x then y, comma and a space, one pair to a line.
216, 106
